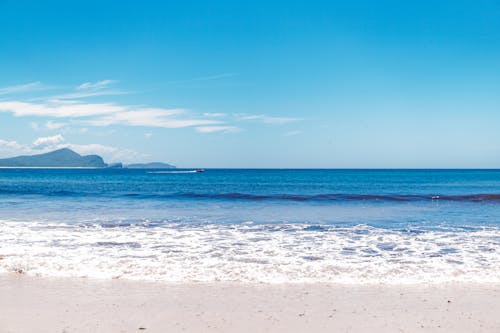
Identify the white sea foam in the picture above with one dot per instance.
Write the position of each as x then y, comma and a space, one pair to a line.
250, 253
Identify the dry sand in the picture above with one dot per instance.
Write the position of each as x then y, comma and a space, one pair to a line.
80, 305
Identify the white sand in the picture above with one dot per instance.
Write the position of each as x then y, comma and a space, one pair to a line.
80, 305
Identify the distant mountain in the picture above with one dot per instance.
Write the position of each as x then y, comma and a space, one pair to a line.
62, 158
152, 165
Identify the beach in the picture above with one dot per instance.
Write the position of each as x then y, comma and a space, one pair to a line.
249, 251
30, 304
249, 166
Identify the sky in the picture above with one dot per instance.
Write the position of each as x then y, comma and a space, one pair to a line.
254, 84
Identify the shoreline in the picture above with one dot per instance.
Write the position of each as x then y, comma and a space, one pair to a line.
77, 305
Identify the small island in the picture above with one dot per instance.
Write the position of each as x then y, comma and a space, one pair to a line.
67, 158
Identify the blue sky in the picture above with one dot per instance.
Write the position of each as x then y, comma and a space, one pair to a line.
328, 84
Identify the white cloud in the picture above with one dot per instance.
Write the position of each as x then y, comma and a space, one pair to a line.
91, 93
32, 86
34, 126
104, 114
95, 85
213, 129
11, 148
149, 118
51, 125
71, 109
293, 133
214, 114
148, 135
25, 109
48, 141
268, 119
91, 149
87, 89
7, 146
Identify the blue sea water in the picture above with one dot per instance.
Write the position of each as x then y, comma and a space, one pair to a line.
350, 226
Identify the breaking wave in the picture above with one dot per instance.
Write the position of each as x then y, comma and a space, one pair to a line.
250, 252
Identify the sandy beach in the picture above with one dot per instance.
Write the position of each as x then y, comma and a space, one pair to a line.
41, 305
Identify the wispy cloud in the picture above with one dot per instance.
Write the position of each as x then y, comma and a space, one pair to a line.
267, 119
90, 93
55, 110
165, 118
293, 133
32, 86
96, 85
215, 77
105, 114
214, 114
205, 78
52, 125
73, 109
213, 129
70, 106
92, 89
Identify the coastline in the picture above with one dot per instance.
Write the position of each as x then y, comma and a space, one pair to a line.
74, 305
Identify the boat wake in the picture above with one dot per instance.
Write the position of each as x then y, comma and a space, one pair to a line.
168, 172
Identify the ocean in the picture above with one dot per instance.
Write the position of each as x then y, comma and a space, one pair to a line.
242, 225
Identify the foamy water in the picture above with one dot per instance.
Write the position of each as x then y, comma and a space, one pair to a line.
250, 252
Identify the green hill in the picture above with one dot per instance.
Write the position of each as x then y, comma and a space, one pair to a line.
62, 158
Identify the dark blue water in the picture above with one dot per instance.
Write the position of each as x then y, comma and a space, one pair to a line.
257, 183
383, 198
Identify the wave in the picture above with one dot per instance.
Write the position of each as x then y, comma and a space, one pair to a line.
327, 197
349, 197
251, 253
330, 197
